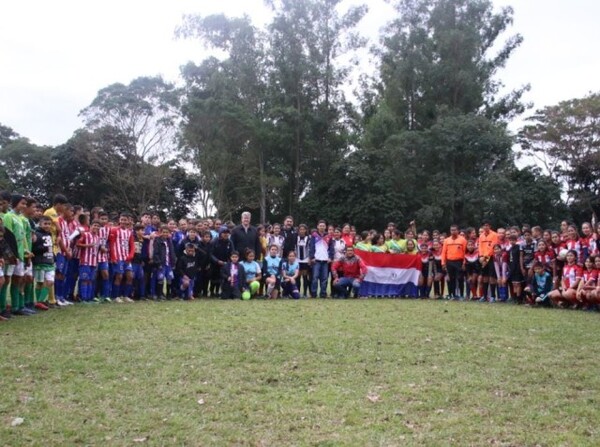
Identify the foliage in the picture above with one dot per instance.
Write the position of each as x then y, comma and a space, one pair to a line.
565, 140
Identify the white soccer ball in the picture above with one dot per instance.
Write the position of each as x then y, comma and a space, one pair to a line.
562, 254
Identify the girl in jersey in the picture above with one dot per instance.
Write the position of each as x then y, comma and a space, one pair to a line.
387, 235
586, 240
556, 247
438, 272
572, 243
276, 239
501, 266
594, 295
290, 272
545, 256
397, 244
589, 279
411, 248
252, 271
472, 269
378, 244
364, 243
567, 293
426, 278
347, 235
302, 244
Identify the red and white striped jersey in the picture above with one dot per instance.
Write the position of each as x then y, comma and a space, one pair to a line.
64, 231
121, 244
571, 273
103, 242
89, 255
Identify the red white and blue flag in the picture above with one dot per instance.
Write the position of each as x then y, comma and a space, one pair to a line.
390, 274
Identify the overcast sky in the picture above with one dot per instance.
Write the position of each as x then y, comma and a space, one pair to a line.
57, 54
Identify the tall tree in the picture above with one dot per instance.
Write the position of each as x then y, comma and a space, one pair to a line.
565, 140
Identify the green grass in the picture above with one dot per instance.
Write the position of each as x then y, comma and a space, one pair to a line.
301, 373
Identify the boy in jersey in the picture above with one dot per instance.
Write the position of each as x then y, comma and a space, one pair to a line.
103, 291
122, 250
43, 260
88, 246
138, 262
65, 228
14, 223
164, 261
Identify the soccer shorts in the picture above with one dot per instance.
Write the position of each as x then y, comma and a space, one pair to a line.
43, 275
120, 267
17, 269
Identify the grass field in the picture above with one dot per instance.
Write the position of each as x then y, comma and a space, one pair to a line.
308, 372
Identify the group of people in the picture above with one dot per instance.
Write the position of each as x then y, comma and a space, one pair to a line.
66, 254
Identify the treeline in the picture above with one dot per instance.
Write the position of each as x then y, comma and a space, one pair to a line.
268, 126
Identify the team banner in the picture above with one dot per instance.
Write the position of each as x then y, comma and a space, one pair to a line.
390, 274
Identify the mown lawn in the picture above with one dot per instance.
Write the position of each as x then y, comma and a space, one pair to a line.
308, 372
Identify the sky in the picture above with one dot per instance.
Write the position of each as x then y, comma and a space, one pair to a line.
56, 55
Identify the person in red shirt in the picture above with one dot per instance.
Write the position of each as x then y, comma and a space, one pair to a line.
122, 249
572, 273
348, 272
88, 246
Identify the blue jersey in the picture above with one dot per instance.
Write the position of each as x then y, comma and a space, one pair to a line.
271, 265
252, 269
290, 269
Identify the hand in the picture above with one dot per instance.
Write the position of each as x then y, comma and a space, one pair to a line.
336, 280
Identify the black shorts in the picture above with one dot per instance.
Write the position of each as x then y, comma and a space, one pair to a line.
472, 268
305, 267
489, 270
515, 275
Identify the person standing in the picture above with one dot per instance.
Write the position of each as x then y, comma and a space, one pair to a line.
453, 259
245, 236
320, 254
290, 236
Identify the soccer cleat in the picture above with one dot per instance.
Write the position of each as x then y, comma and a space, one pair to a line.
128, 300
95, 299
41, 306
106, 300
118, 300
6, 314
483, 299
68, 302
61, 303
21, 312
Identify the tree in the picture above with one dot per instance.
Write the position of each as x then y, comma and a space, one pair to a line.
565, 140
8, 135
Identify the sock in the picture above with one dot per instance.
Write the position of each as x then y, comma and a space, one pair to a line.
169, 290
3, 294
461, 287
14, 296
484, 290
503, 293
105, 288
493, 288
127, 290
42, 294
160, 288
29, 294
59, 288
51, 296
116, 288
270, 288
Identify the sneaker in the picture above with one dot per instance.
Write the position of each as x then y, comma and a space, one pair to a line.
68, 302
61, 303
127, 300
95, 299
492, 299
106, 300
483, 299
118, 300
21, 312
53, 306
7, 314
41, 306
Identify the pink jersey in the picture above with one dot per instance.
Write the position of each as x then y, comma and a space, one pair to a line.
571, 273
89, 255
121, 244
103, 242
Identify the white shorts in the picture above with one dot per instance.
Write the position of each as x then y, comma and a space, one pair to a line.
1, 272
41, 275
15, 270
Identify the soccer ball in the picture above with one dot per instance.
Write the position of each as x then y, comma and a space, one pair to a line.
562, 254
246, 295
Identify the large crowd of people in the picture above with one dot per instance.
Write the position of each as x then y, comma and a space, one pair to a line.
66, 254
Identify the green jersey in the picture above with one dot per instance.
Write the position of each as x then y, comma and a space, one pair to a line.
14, 223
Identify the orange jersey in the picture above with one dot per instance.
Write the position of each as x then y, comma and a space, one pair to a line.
486, 243
454, 249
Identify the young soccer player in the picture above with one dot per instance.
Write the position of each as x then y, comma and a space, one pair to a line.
272, 271
302, 244
539, 287
187, 267
290, 272
201, 282
472, 270
528, 249
122, 250
438, 271
516, 274
233, 278
378, 244
138, 262
252, 272
501, 266
88, 246
567, 293
43, 260
426, 277
220, 254
397, 244
164, 262
589, 279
